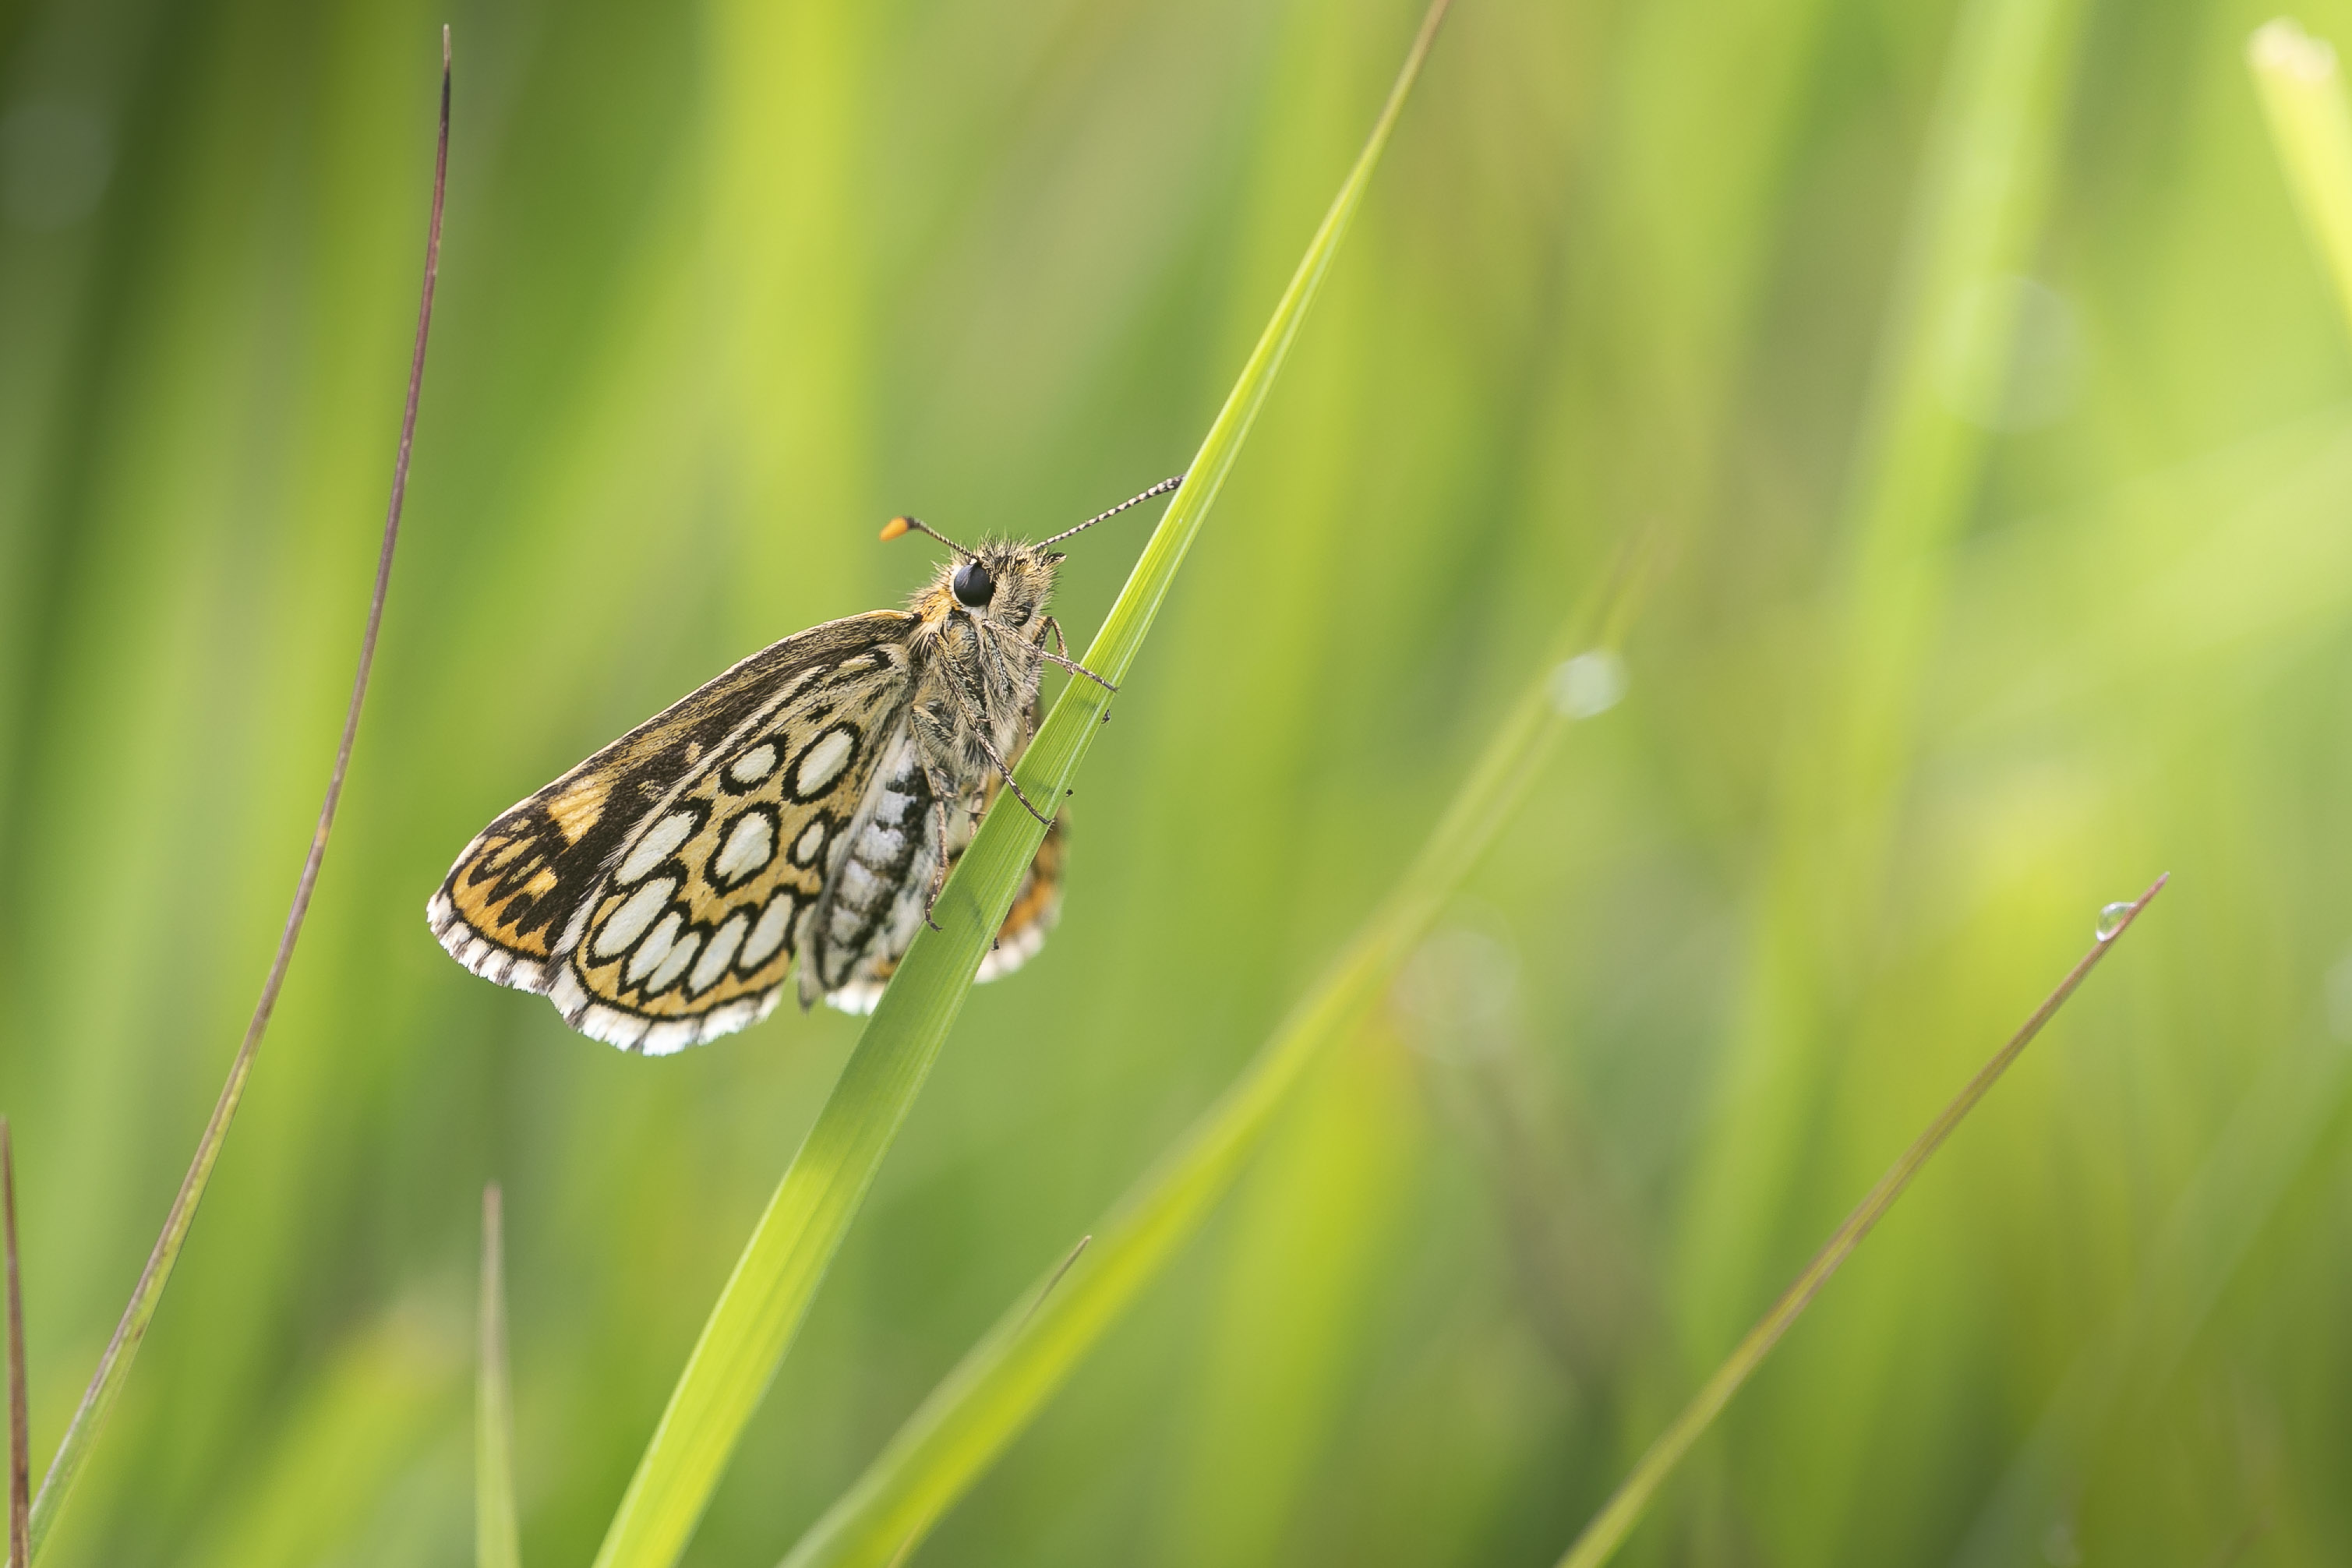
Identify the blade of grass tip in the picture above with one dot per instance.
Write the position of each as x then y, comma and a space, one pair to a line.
1624, 1509
1068, 1262
496, 1538
761, 1307
20, 1440
1001, 1383
114, 1366
2311, 125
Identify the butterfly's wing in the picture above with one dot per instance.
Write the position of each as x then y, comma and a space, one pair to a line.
657, 893
871, 908
1035, 908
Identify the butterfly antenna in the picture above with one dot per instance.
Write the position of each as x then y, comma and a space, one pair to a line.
1161, 488
899, 525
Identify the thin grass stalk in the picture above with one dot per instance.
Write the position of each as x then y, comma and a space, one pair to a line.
20, 1439
1624, 1509
761, 1308
2303, 98
496, 1542
2277, 1132
1947, 344
997, 1389
1069, 1261
2280, 1122
106, 1385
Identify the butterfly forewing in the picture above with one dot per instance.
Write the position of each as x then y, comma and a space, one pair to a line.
716, 796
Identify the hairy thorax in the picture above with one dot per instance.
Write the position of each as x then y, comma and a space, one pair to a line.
976, 668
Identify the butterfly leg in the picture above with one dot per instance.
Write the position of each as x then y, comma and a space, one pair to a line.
1066, 661
1075, 668
990, 747
940, 859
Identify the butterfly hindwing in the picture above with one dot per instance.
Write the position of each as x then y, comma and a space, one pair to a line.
864, 922
1036, 906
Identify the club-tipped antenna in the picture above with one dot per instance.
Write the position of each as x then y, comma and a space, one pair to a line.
899, 525
1161, 488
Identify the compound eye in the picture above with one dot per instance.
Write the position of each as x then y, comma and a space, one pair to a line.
973, 585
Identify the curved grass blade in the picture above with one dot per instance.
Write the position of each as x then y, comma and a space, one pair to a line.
923, 1527
1001, 1384
495, 1541
20, 1442
114, 1366
1624, 1509
761, 1307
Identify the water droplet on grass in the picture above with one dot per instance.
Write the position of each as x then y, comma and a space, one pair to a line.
2112, 917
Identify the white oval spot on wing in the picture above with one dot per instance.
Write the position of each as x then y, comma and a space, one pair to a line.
720, 953
629, 921
749, 844
674, 965
823, 761
656, 947
812, 840
753, 765
660, 842
768, 934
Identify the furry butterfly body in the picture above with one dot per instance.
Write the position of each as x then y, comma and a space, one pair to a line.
804, 807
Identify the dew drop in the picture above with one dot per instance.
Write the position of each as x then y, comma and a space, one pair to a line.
2111, 920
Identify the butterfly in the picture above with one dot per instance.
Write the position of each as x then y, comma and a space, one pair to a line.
804, 807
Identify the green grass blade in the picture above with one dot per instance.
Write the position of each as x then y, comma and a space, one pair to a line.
1944, 360
496, 1543
20, 1491
2311, 124
1000, 1386
765, 1298
106, 1383
1624, 1509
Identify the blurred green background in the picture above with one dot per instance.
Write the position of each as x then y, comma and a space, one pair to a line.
1936, 661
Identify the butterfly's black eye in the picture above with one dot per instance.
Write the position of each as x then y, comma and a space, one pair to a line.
973, 585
